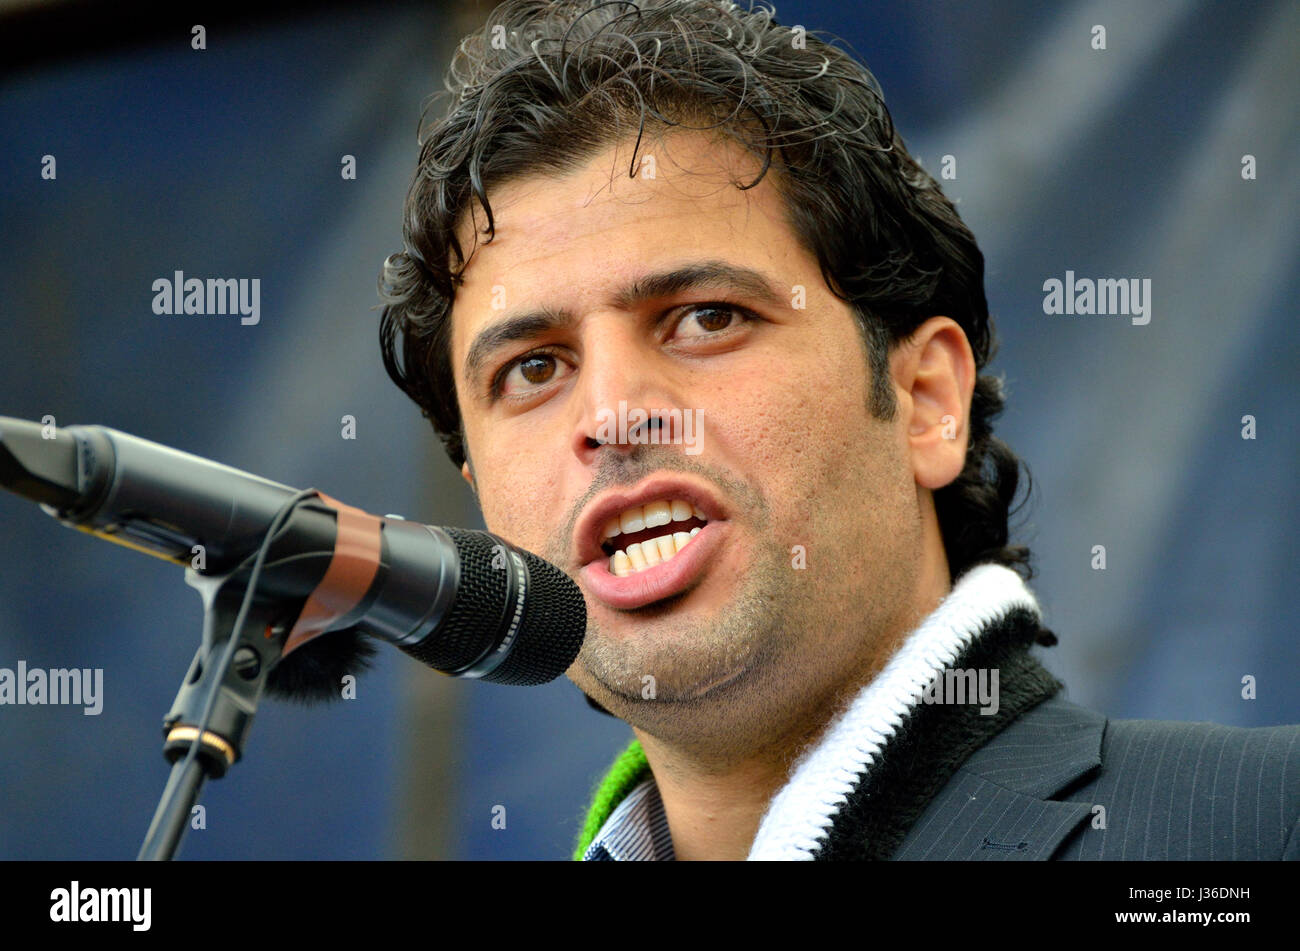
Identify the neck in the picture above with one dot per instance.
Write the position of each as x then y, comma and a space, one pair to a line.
715, 794
712, 815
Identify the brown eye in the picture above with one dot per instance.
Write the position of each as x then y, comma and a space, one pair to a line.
713, 319
537, 369
532, 372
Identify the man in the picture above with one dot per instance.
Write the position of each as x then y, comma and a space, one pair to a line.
698, 330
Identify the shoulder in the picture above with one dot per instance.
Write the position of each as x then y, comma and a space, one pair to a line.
1160, 789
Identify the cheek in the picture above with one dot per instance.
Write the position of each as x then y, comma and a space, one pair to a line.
801, 437
801, 411
518, 489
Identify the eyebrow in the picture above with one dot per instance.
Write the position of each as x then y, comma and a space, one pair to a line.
705, 274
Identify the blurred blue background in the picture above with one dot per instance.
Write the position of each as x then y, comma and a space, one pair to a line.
1122, 162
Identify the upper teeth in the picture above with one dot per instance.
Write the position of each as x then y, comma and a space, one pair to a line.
650, 515
637, 556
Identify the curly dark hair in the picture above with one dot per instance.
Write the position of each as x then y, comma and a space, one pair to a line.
545, 87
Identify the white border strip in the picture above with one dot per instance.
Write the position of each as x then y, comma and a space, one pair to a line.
802, 811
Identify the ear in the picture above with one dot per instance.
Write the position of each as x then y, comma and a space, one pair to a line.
467, 475
935, 368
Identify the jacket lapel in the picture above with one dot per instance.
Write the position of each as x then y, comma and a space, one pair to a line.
997, 806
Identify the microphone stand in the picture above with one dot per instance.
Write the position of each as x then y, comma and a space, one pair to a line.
239, 687
208, 724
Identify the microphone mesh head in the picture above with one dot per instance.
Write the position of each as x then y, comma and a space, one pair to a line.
551, 629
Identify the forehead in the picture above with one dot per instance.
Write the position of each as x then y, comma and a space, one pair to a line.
572, 240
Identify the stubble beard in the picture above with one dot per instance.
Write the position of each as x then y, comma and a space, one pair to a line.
728, 676
691, 655
724, 686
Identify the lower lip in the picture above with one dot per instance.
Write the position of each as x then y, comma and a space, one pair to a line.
654, 584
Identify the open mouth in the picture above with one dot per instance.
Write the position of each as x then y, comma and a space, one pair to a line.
643, 536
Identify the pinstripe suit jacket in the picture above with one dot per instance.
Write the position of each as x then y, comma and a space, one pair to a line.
1064, 783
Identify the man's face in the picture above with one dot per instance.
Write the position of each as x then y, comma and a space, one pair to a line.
811, 533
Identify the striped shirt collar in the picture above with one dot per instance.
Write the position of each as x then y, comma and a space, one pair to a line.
802, 811
636, 831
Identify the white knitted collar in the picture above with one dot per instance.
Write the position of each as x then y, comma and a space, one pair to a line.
802, 811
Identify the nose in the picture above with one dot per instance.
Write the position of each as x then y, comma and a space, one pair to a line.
624, 390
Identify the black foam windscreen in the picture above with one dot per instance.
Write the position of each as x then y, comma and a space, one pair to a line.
314, 672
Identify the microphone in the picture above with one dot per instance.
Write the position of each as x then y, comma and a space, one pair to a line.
467, 603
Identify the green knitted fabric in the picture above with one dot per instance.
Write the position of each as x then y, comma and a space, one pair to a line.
627, 772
